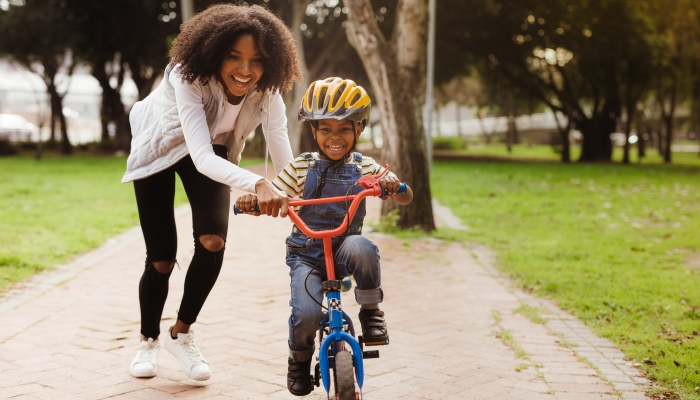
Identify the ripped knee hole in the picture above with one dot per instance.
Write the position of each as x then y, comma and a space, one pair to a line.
163, 267
213, 243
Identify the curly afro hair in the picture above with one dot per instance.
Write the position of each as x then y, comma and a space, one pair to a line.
205, 40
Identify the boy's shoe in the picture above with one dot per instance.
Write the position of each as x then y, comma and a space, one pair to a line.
373, 326
144, 364
299, 379
191, 360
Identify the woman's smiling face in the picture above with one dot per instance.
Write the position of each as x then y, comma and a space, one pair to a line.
336, 138
241, 69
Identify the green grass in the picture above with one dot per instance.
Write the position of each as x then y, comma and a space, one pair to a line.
532, 313
610, 243
544, 152
57, 208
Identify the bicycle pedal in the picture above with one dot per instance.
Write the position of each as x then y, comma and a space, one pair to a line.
381, 343
370, 354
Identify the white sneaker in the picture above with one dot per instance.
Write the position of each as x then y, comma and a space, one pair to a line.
144, 364
191, 360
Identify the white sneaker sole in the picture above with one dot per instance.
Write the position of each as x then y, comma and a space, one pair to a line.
168, 346
196, 377
144, 374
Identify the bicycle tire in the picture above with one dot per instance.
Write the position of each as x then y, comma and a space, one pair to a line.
344, 376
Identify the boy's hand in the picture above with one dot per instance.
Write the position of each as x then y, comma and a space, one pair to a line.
246, 204
390, 183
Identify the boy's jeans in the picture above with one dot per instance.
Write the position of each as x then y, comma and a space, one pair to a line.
356, 256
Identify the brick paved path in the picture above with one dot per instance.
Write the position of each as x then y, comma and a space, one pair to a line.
453, 330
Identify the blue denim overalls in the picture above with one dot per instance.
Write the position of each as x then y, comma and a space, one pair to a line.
354, 254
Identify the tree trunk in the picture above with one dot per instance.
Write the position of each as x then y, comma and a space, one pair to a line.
510, 133
488, 136
52, 123
390, 65
566, 144
113, 108
596, 145
628, 129
40, 142
564, 134
104, 123
667, 116
142, 79
293, 97
668, 122
57, 109
641, 142
630, 106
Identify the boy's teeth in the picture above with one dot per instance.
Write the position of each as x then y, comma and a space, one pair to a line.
241, 80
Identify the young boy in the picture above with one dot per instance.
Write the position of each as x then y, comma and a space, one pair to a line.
338, 111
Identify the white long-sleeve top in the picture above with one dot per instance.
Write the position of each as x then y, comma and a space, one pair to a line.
180, 118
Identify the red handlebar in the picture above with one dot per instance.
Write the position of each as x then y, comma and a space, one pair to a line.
372, 188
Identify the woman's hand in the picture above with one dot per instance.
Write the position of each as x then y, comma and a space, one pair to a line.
246, 204
271, 200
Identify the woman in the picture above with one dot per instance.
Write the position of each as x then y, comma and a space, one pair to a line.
227, 67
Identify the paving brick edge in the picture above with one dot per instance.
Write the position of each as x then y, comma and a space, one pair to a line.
39, 284
601, 353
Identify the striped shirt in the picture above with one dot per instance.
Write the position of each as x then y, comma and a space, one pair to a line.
293, 177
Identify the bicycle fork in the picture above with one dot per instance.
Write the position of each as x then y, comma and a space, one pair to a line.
335, 320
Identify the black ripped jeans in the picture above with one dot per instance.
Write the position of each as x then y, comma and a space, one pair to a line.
210, 202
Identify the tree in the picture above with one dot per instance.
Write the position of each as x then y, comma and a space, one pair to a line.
129, 37
324, 51
677, 31
565, 54
396, 69
464, 91
39, 36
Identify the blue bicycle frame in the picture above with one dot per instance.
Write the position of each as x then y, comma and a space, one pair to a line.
335, 320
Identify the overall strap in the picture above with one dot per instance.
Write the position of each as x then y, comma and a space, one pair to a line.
358, 158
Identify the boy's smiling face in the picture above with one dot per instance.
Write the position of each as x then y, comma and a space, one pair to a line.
335, 138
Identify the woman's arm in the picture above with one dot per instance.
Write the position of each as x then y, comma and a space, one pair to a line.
196, 132
276, 133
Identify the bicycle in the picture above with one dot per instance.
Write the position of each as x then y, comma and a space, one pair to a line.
337, 325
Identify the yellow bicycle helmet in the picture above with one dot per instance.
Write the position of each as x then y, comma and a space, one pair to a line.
335, 98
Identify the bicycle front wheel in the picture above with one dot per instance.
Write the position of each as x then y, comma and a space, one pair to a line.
344, 376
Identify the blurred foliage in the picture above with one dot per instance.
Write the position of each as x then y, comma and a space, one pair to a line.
601, 63
593, 61
449, 143
39, 35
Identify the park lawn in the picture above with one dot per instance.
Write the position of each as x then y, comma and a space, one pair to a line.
545, 152
60, 207
615, 245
